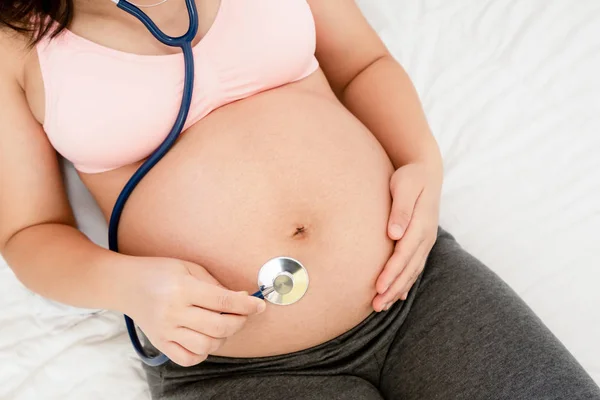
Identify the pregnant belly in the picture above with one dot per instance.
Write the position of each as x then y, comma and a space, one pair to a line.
284, 173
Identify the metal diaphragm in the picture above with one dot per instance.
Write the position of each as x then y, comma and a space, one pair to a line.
283, 280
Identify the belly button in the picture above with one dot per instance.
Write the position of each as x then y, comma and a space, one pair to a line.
300, 232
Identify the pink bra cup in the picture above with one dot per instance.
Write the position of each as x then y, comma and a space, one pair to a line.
106, 108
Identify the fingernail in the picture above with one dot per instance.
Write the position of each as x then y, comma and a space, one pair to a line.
384, 307
389, 305
262, 306
244, 293
397, 231
404, 296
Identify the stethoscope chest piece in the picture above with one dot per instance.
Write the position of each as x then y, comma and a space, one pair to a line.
283, 280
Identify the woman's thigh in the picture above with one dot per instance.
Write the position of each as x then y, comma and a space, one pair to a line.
305, 387
469, 336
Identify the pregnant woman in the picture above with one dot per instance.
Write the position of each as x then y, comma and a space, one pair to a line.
305, 139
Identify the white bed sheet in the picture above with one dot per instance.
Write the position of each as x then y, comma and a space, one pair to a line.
511, 89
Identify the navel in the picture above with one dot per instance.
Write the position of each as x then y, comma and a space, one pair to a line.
300, 232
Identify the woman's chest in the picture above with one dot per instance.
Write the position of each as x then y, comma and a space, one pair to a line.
90, 97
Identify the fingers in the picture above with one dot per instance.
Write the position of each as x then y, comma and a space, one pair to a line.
405, 188
403, 282
410, 274
180, 355
212, 323
403, 253
412, 223
222, 300
201, 273
196, 343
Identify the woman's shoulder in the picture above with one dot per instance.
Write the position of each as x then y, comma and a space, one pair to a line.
15, 51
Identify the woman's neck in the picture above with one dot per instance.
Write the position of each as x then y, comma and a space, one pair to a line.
171, 16
165, 16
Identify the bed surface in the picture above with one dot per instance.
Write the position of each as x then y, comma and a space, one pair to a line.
512, 92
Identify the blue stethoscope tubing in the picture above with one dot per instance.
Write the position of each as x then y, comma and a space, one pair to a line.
185, 43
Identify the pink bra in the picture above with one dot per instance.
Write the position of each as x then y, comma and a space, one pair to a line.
106, 108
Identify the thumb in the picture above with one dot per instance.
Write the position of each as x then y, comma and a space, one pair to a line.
404, 194
399, 220
202, 274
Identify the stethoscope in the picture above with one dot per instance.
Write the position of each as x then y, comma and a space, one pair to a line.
281, 280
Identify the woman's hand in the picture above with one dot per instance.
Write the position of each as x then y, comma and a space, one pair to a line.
183, 310
413, 223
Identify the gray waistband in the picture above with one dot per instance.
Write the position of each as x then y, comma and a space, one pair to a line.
373, 334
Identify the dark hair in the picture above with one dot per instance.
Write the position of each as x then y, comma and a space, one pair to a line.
36, 18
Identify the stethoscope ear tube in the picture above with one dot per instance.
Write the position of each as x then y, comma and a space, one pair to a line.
185, 43
180, 41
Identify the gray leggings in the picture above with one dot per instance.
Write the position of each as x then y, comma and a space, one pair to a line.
461, 334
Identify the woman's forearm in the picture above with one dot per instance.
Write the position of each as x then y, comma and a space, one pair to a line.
60, 263
383, 97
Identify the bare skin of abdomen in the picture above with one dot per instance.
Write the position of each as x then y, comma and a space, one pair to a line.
288, 172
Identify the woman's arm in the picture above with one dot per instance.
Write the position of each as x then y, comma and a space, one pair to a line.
377, 90
181, 308
372, 84
38, 237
